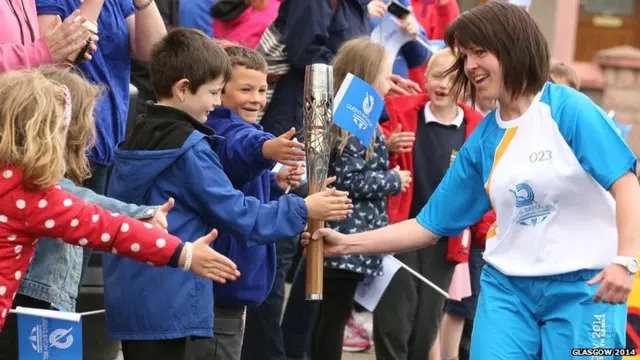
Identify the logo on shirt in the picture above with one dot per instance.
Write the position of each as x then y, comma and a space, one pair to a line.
528, 211
452, 158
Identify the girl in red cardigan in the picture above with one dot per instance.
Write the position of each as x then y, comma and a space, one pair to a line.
34, 118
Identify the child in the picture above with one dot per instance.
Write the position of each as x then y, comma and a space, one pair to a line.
53, 277
409, 309
243, 97
564, 75
364, 172
183, 158
34, 118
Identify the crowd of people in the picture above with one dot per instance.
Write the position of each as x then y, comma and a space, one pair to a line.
486, 155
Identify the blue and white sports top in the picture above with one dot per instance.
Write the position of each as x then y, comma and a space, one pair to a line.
547, 176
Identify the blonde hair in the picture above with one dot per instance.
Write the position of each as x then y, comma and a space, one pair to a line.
561, 70
82, 130
32, 131
439, 57
363, 59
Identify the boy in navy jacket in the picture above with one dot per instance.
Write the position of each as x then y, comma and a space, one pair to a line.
243, 97
171, 153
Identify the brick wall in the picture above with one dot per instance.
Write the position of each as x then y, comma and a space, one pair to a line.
621, 71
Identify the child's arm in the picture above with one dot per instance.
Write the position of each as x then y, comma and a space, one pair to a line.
352, 176
210, 193
415, 53
241, 155
107, 203
58, 214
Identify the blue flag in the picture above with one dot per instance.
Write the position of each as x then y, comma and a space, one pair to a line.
357, 108
49, 335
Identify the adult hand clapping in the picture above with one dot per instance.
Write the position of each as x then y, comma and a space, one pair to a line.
69, 38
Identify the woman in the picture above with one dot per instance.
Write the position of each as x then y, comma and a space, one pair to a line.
552, 182
21, 45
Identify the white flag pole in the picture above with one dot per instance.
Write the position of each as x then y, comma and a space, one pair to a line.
425, 280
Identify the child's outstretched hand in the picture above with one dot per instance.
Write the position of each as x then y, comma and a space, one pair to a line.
401, 141
284, 150
290, 177
329, 205
208, 263
159, 220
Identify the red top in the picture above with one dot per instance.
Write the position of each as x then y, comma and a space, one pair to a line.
404, 110
26, 215
434, 18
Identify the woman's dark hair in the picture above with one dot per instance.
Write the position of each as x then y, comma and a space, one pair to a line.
508, 32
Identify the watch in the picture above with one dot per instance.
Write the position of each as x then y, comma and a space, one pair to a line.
628, 262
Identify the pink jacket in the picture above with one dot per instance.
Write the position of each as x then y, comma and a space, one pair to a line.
248, 28
20, 42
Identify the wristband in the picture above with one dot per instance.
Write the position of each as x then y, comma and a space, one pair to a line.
143, 6
189, 256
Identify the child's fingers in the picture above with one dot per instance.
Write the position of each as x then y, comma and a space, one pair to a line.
287, 162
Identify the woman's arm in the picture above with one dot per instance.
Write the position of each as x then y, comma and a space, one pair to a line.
146, 28
400, 237
459, 201
626, 192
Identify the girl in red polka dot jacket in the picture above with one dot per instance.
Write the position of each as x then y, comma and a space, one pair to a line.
34, 116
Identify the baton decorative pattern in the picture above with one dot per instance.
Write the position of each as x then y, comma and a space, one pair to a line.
318, 119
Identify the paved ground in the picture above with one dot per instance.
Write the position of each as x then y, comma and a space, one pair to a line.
369, 355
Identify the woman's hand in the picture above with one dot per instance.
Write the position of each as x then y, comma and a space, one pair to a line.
377, 9
159, 220
616, 286
401, 142
68, 38
208, 263
335, 243
329, 205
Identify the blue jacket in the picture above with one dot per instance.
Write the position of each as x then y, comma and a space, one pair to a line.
170, 154
258, 263
311, 35
54, 274
412, 54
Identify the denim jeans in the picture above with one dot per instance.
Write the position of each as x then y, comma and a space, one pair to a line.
263, 337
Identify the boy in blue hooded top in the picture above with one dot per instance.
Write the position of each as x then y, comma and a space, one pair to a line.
243, 97
171, 153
